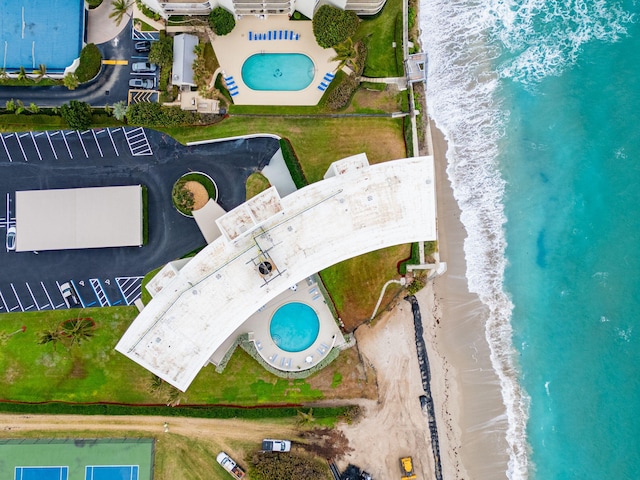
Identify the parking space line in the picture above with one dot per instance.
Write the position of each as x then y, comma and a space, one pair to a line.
99, 291
97, 143
3, 302
8, 211
78, 293
130, 288
17, 297
82, 143
51, 144
38, 134
61, 305
47, 294
36, 145
32, 297
20, 145
5, 147
64, 137
112, 142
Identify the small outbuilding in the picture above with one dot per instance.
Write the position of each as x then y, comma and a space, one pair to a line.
74, 218
183, 58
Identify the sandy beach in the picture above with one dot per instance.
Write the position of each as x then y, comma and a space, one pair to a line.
472, 424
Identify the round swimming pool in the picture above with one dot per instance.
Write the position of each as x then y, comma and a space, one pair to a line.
294, 327
278, 71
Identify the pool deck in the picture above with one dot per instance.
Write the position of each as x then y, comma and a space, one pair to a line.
258, 328
233, 49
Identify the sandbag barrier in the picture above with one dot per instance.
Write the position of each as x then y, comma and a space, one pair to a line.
425, 373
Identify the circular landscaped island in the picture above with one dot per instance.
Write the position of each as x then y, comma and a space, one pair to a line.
192, 191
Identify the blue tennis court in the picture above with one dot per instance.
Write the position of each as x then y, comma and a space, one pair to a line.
33, 32
112, 472
41, 473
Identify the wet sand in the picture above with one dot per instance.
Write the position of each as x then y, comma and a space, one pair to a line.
472, 420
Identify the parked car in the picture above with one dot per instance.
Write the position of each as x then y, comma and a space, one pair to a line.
144, 67
11, 238
271, 445
142, 46
69, 295
141, 83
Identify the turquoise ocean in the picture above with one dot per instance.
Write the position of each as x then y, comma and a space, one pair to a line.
540, 103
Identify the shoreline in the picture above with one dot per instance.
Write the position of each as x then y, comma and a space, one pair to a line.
472, 418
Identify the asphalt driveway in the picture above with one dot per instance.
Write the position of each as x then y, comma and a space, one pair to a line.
103, 157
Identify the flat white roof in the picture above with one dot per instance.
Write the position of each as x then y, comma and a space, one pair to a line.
346, 215
79, 218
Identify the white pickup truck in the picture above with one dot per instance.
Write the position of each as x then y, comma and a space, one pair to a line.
271, 445
230, 465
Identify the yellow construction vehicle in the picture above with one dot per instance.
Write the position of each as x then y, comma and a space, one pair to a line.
406, 464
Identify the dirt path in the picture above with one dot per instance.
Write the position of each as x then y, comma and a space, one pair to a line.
394, 426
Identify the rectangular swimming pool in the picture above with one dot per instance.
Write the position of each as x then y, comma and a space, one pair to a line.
33, 32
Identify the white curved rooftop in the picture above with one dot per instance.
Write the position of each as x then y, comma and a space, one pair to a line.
357, 209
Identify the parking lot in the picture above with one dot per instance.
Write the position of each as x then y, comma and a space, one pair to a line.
103, 157
143, 86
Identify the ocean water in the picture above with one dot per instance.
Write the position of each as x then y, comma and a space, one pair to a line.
540, 103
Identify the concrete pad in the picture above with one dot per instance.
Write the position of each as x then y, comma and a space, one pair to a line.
101, 28
233, 49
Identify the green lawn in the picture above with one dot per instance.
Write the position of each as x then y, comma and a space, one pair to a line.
379, 34
94, 372
317, 141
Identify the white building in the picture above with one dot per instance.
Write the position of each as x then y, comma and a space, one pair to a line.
269, 244
167, 8
183, 57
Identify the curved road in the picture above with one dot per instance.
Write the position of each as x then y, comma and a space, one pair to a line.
110, 86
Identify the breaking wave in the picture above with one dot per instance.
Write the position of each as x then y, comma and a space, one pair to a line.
544, 37
462, 97
472, 45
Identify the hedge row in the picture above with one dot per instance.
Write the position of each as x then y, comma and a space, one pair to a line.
293, 164
205, 411
399, 34
90, 63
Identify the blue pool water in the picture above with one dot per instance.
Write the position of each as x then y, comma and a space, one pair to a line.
33, 32
294, 327
278, 71
540, 102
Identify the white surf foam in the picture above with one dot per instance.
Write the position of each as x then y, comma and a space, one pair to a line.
546, 36
462, 99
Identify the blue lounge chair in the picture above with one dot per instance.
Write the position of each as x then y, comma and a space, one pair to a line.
250, 35
291, 35
325, 85
320, 88
297, 36
330, 75
230, 83
270, 39
285, 34
233, 89
280, 35
233, 94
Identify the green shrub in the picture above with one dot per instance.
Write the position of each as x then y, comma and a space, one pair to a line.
161, 52
399, 51
71, 81
332, 25
204, 411
293, 164
147, 11
270, 465
76, 114
340, 97
221, 21
155, 115
90, 63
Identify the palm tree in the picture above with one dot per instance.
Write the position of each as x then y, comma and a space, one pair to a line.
346, 54
77, 330
305, 418
22, 74
120, 9
51, 335
41, 72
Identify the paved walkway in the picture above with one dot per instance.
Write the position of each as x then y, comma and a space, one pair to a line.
101, 28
